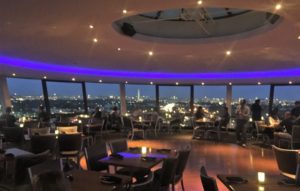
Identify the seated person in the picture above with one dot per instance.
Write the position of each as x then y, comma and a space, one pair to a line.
115, 119
97, 114
273, 119
9, 118
285, 128
51, 181
43, 115
225, 118
200, 113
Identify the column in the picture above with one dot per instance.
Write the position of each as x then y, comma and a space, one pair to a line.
157, 97
4, 93
271, 97
192, 96
229, 97
84, 94
123, 108
46, 96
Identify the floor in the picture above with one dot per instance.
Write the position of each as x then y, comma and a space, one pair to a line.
217, 157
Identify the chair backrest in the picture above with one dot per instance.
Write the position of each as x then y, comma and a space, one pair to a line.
118, 146
167, 172
127, 122
183, 156
69, 142
287, 161
31, 124
13, 134
208, 183
67, 129
40, 143
38, 131
93, 154
258, 125
46, 166
296, 133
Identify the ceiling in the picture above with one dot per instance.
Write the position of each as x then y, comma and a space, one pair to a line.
53, 38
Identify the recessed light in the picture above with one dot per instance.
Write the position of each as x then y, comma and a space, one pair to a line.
126, 82
13, 74
124, 11
290, 82
202, 83
298, 37
258, 83
199, 2
91, 26
100, 81
95, 40
228, 52
119, 49
45, 77
177, 83
150, 53
230, 83
278, 6
151, 83
73, 79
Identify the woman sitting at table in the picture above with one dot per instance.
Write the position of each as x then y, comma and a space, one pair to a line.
224, 118
285, 128
273, 119
200, 113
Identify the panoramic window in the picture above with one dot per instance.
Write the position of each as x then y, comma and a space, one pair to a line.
251, 93
285, 97
103, 95
26, 96
140, 97
65, 97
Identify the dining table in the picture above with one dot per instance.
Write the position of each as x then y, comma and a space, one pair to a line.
252, 182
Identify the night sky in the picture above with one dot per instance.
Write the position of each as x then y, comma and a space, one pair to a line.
34, 88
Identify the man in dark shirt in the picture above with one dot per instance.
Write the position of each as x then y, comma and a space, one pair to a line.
43, 115
296, 110
9, 118
256, 110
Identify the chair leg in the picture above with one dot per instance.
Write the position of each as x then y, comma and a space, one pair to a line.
173, 187
182, 186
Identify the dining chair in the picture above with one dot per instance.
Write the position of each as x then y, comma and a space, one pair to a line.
183, 156
14, 135
208, 183
46, 166
93, 154
41, 143
259, 130
165, 175
288, 162
293, 139
70, 146
146, 185
127, 123
67, 129
117, 146
38, 131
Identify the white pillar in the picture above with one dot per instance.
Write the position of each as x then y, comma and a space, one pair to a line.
123, 99
229, 97
4, 93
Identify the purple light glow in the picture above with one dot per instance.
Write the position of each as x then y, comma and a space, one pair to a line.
55, 68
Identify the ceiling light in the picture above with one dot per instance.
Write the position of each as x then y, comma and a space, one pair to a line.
45, 77
298, 37
100, 81
258, 83
150, 53
126, 82
177, 83
230, 83
91, 26
228, 52
278, 6
73, 79
151, 83
95, 40
124, 11
13, 74
119, 49
202, 83
199, 2
290, 82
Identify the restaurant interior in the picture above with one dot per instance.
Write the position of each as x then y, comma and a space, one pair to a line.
127, 95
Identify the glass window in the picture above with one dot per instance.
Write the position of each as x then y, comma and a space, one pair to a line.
211, 98
285, 97
251, 93
65, 97
26, 96
103, 95
140, 97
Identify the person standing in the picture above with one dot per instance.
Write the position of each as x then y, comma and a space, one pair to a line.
242, 117
9, 118
256, 110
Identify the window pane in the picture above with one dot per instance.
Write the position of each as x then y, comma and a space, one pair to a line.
210, 97
285, 97
103, 95
251, 93
26, 96
65, 97
140, 97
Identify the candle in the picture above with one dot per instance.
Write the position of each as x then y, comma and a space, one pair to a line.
56, 132
140, 118
144, 150
261, 176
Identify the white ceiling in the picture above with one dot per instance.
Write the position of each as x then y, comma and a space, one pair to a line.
57, 32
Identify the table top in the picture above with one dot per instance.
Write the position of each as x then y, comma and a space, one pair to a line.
91, 180
132, 158
17, 152
271, 183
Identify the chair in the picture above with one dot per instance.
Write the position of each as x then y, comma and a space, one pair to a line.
127, 123
259, 130
183, 157
293, 139
31, 124
13, 134
40, 143
208, 183
49, 165
146, 185
4, 187
70, 145
67, 129
165, 175
93, 154
118, 146
38, 131
288, 162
